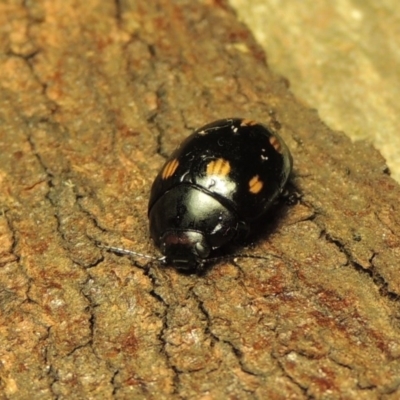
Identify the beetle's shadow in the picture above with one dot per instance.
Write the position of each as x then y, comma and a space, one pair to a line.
263, 227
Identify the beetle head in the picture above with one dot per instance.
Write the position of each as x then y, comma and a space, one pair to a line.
185, 250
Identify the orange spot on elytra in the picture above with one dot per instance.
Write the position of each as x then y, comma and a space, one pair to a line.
276, 144
255, 184
169, 168
248, 122
220, 166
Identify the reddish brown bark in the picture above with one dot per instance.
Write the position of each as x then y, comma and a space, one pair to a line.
94, 95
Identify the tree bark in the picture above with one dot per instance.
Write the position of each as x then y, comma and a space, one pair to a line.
94, 95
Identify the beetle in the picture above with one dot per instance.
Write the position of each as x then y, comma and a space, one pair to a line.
212, 190
213, 187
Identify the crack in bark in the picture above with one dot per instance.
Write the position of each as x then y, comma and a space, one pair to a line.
236, 351
377, 278
118, 13
285, 373
161, 336
14, 239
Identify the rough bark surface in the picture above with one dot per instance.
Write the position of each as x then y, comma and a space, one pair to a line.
93, 96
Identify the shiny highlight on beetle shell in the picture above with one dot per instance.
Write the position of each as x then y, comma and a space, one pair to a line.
255, 184
219, 167
169, 169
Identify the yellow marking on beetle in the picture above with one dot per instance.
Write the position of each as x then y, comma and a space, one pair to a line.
169, 169
255, 185
276, 144
220, 166
248, 122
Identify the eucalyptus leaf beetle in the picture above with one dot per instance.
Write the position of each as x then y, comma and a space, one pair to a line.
213, 187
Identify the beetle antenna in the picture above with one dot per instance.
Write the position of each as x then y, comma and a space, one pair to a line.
120, 250
234, 256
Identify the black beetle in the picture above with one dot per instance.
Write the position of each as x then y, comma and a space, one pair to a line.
221, 179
